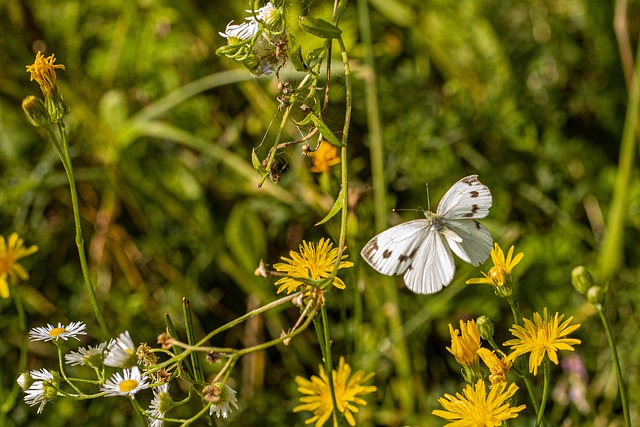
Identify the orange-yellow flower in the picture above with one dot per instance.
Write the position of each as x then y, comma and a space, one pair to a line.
498, 366
465, 343
43, 71
325, 156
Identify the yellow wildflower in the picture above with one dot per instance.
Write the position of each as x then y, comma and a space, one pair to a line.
476, 408
498, 366
325, 156
347, 390
500, 274
312, 262
465, 343
544, 336
11, 251
43, 71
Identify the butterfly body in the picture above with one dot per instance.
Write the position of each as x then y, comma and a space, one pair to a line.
421, 249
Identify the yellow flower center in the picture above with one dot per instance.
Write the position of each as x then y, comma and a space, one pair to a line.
498, 275
127, 385
56, 332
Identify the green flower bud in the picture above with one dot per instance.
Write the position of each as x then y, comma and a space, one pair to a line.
56, 106
595, 295
485, 327
35, 111
25, 380
581, 279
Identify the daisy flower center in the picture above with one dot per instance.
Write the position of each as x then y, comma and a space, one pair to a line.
127, 385
56, 332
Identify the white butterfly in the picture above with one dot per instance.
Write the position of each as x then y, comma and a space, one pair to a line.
421, 249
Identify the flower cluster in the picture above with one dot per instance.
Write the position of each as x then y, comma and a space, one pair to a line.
43, 386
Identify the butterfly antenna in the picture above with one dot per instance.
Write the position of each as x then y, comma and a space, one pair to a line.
428, 198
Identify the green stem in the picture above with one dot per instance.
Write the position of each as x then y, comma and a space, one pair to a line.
616, 364
68, 167
611, 254
325, 340
545, 391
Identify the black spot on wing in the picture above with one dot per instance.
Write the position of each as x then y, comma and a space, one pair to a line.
470, 180
474, 194
387, 253
477, 225
371, 248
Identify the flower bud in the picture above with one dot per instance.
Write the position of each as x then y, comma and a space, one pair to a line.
25, 380
595, 295
485, 327
35, 111
581, 279
56, 106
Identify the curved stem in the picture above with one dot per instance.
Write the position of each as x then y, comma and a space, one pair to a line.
68, 167
616, 364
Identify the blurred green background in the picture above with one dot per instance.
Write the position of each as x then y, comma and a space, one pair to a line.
529, 94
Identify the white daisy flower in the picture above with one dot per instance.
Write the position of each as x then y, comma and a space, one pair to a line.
121, 352
160, 405
128, 383
269, 14
51, 333
41, 391
91, 356
222, 398
235, 33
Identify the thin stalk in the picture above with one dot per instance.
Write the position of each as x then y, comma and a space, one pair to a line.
545, 391
68, 168
191, 339
616, 363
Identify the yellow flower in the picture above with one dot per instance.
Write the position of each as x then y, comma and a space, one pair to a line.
325, 156
312, 262
43, 71
498, 366
543, 336
474, 408
347, 390
465, 343
10, 252
500, 274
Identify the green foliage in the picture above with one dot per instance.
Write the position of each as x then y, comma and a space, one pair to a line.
166, 138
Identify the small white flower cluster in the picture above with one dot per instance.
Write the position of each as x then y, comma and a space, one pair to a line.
268, 15
259, 42
42, 386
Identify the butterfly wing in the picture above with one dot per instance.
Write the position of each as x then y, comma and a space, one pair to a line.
432, 267
466, 199
468, 239
392, 251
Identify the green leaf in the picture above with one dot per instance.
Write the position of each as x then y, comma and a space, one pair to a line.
295, 54
257, 164
337, 207
319, 27
325, 131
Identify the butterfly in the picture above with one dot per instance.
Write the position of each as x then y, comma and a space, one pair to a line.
420, 250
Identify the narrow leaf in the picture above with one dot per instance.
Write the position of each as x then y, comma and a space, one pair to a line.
337, 206
319, 27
